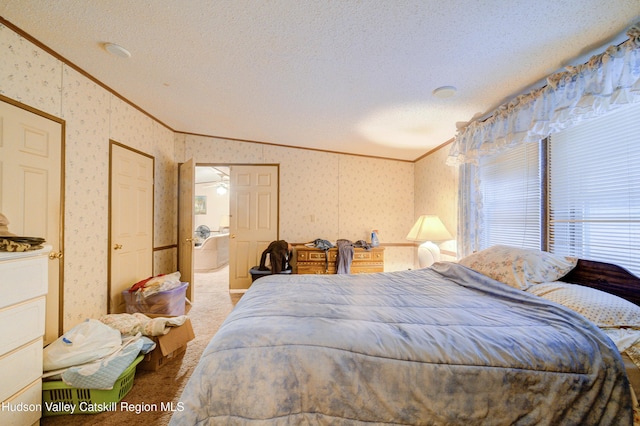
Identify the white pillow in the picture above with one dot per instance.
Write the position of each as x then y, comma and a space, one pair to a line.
517, 267
603, 309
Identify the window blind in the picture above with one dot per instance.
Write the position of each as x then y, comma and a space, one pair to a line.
594, 189
510, 183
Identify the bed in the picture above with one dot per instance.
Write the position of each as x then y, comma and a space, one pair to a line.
442, 345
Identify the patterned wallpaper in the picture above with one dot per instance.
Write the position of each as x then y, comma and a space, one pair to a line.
376, 194
438, 193
86, 113
323, 195
92, 117
29, 74
327, 195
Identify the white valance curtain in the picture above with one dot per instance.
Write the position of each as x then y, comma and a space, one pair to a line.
605, 82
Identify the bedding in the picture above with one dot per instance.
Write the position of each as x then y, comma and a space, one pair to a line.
519, 267
442, 345
603, 309
618, 318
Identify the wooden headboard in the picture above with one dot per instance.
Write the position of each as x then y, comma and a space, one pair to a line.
606, 277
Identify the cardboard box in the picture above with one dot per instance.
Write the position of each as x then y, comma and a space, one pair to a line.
168, 346
167, 303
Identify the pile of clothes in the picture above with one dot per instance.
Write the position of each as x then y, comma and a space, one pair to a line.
345, 252
277, 254
93, 354
153, 285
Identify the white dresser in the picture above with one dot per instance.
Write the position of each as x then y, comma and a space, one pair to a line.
23, 287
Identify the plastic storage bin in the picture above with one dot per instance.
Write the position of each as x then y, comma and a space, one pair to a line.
59, 398
170, 302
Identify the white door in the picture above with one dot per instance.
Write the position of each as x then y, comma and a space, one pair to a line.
30, 192
253, 207
131, 221
187, 178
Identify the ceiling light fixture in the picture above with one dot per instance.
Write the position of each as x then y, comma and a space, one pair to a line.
117, 50
445, 92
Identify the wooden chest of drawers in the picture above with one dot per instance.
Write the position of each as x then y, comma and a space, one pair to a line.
312, 261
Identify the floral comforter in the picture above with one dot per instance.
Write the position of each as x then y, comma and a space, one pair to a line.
439, 346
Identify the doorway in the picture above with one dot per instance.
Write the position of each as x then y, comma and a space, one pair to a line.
236, 214
211, 218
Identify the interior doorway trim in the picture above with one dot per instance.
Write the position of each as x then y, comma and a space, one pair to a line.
230, 165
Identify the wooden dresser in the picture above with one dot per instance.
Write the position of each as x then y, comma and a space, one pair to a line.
23, 288
312, 260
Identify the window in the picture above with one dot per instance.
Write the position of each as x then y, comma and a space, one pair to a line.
593, 171
511, 190
594, 189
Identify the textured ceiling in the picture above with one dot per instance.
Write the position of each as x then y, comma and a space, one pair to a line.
353, 76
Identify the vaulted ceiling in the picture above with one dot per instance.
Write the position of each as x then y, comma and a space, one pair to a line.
351, 76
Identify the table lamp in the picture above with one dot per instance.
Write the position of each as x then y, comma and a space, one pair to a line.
428, 228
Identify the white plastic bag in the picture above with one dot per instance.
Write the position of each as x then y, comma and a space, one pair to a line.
86, 342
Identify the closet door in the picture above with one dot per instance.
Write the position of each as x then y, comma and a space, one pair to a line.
31, 146
131, 222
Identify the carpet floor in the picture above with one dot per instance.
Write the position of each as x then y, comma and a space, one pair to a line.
211, 305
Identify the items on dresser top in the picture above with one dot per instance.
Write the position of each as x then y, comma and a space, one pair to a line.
312, 260
14, 243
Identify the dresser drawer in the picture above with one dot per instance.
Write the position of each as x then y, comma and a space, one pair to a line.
20, 368
315, 256
367, 269
312, 261
23, 279
31, 398
368, 256
316, 269
21, 323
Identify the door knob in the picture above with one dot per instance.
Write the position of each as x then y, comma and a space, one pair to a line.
55, 255
117, 246
189, 240
232, 236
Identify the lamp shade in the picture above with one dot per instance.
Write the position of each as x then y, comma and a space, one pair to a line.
224, 221
429, 228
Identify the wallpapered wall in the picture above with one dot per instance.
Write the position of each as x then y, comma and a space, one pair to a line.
92, 117
327, 195
438, 194
323, 195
